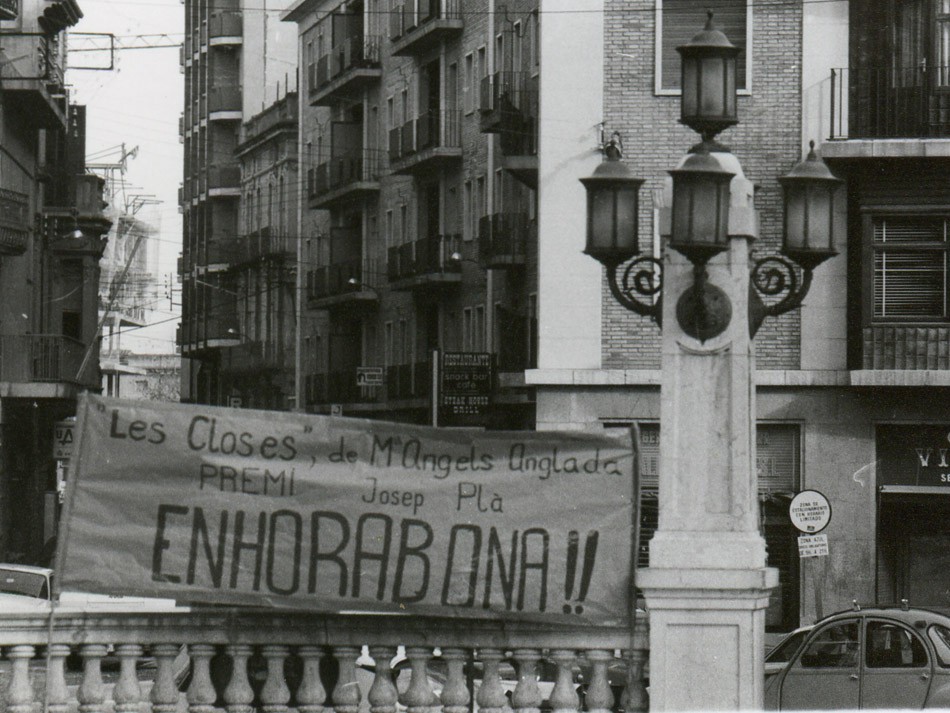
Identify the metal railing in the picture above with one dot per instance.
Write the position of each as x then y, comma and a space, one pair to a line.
348, 168
503, 238
431, 129
429, 255
338, 278
890, 102
45, 358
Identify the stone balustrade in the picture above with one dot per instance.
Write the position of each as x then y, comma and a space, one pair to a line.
245, 661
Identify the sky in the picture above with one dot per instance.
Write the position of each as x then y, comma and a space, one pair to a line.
138, 103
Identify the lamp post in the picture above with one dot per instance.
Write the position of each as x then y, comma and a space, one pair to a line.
707, 586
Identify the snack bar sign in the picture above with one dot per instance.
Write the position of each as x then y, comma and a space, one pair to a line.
257, 508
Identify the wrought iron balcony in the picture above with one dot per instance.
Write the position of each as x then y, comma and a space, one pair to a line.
414, 32
890, 102
346, 70
46, 358
342, 284
427, 143
425, 263
263, 244
345, 178
503, 240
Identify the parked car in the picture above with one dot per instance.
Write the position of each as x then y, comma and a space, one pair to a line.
776, 659
878, 657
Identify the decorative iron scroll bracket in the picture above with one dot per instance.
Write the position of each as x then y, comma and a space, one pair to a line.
643, 276
772, 276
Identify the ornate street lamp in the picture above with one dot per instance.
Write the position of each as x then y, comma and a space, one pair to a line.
700, 210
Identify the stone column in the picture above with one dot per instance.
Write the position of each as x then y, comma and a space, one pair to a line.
707, 586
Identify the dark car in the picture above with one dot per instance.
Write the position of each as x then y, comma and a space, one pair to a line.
872, 658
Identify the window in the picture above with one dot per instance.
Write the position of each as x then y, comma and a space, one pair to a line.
390, 241
516, 46
677, 21
467, 232
891, 646
834, 647
468, 77
389, 348
478, 336
943, 43
467, 329
910, 267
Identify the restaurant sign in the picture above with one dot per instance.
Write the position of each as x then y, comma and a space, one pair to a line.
256, 508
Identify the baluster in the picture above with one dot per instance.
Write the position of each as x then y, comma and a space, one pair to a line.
346, 694
238, 694
527, 695
419, 697
57, 694
635, 697
19, 694
275, 695
91, 693
201, 693
382, 694
164, 695
564, 697
455, 695
491, 696
311, 694
127, 693
599, 698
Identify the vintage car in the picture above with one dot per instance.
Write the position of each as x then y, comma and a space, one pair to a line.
876, 657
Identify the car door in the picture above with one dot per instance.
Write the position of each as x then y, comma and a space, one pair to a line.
897, 670
825, 674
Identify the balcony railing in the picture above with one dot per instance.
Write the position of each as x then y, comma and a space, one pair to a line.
424, 262
419, 29
503, 239
347, 69
32, 73
890, 102
339, 178
224, 99
263, 243
507, 99
226, 27
906, 346
432, 139
342, 387
271, 661
46, 358
257, 356
341, 283
15, 222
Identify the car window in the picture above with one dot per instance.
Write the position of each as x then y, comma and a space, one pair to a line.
940, 636
30, 584
892, 646
835, 646
785, 650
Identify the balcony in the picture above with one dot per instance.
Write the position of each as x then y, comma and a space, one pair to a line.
342, 285
15, 222
409, 381
906, 346
257, 356
221, 253
345, 178
890, 103
46, 358
508, 106
427, 144
414, 33
217, 331
346, 71
503, 240
224, 181
425, 263
226, 28
224, 103
33, 80
260, 245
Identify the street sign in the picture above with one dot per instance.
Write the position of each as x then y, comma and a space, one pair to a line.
64, 436
810, 512
369, 376
465, 386
812, 546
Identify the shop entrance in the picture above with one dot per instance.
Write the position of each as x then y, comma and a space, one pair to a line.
914, 549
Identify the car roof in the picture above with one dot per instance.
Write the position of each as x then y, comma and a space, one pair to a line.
32, 569
911, 616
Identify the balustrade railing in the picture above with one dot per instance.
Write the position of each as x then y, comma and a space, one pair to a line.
267, 661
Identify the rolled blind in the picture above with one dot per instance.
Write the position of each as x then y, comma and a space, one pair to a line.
910, 267
682, 19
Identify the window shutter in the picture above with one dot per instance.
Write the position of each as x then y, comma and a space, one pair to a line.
682, 19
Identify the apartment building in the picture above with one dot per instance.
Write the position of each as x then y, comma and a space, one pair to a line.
419, 233
851, 388
238, 205
52, 230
